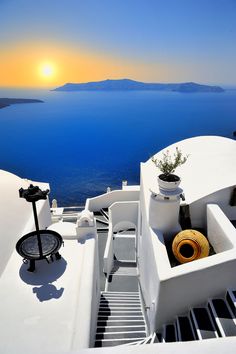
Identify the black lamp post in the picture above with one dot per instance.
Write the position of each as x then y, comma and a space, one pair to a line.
33, 194
38, 244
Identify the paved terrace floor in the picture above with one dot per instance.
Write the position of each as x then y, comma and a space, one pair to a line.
38, 309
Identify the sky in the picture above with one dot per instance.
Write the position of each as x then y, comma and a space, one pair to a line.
48, 43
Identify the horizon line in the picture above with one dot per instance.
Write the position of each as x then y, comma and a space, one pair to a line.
83, 82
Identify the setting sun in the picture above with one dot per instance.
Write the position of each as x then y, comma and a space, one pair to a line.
47, 70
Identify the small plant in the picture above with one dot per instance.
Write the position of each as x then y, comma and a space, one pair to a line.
168, 164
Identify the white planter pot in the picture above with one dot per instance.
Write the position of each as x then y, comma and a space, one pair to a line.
168, 186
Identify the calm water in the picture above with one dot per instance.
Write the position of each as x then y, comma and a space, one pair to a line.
82, 142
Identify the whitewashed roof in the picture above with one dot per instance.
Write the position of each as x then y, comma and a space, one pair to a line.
211, 166
11, 183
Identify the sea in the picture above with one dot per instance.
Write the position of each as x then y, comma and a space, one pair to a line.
83, 142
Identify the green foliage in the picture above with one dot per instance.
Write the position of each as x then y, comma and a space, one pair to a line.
168, 164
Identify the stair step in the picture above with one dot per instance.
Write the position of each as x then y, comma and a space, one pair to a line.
224, 319
106, 329
120, 318
120, 298
119, 313
102, 229
184, 329
124, 271
121, 335
123, 293
125, 263
112, 342
203, 324
115, 310
119, 301
125, 236
120, 305
129, 322
231, 300
125, 307
169, 333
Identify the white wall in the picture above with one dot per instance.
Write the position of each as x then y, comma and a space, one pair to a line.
107, 199
191, 284
121, 214
86, 310
124, 212
220, 231
221, 197
16, 215
172, 291
108, 257
209, 346
147, 266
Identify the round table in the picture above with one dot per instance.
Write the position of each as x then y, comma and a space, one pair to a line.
28, 246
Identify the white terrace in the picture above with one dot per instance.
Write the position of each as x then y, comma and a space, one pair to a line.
56, 307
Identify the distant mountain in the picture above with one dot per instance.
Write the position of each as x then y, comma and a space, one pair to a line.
128, 85
5, 102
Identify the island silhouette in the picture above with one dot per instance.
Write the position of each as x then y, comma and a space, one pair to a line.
5, 102
131, 85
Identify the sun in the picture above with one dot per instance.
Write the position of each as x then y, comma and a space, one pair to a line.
47, 70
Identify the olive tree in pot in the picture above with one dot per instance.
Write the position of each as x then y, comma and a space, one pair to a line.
167, 180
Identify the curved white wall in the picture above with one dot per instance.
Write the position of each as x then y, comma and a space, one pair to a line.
121, 214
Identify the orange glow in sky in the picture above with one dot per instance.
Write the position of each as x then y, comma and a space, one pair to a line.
51, 64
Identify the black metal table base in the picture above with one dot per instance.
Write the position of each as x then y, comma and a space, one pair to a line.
32, 266
32, 261
39, 244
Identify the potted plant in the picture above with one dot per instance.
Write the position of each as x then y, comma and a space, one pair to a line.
167, 180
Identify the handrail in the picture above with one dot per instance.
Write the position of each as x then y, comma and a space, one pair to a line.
108, 253
142, 292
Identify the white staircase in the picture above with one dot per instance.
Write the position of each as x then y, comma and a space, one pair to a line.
216, 319
120, 319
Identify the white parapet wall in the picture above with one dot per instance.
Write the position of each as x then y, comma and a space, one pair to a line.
181, 287
107, 199
221, 197
221, 232
88, 297
209, 346
171, 291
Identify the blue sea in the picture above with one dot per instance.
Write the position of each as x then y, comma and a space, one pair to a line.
83, 142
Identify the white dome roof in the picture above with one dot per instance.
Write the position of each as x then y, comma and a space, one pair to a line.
211, 166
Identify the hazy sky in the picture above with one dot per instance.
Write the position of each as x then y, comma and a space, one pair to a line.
50, 42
